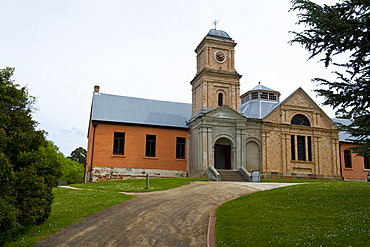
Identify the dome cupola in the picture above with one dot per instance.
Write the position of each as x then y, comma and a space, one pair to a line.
218, 34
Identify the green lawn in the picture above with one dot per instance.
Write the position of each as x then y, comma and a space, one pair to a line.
71, 205
295, 181
316, 214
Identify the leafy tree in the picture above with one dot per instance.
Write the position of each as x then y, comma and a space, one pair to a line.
79, 155
337, 32
72, 170
27, 172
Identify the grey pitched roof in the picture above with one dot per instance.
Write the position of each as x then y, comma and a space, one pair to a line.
343, 135
123, 109
261, 87
257, 108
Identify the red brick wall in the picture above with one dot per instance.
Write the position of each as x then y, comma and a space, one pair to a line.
101, 152
357, 171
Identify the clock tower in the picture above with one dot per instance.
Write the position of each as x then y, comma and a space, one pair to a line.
216, 82
217, 128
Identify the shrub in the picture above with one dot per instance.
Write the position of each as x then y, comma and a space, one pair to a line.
73, 172
27, 172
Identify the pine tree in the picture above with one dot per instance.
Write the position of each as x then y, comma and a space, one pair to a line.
331, 33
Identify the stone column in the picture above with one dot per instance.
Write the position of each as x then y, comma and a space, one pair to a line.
317, 154
204, 143
264, 151
284, 147
210, 148
335, 159
233, 157
239, 149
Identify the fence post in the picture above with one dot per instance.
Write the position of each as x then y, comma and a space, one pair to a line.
147, 181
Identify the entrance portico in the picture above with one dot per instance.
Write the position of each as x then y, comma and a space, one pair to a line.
217, 138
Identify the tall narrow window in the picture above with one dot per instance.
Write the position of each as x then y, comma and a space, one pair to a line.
150, 146
180, 148
347, 159
119, 143
367, 161
301, 148
309, 148
292, 146
298, 148
220, 99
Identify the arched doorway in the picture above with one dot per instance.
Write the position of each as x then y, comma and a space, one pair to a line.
222, 155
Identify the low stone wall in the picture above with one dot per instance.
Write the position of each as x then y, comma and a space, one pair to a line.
279, 175
114, 173
355, 179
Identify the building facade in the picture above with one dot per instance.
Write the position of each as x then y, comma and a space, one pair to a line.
353, 166
221, 129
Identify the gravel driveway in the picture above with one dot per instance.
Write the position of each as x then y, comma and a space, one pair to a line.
176, 217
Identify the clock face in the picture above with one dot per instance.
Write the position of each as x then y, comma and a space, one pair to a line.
220, 56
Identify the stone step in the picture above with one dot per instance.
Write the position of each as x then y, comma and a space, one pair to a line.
229, 175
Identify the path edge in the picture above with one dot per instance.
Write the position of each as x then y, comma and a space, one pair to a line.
211, 239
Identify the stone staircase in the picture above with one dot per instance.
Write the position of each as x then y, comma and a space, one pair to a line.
229, 175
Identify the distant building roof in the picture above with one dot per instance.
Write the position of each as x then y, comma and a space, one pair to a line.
343, 135
218, 34
123, 109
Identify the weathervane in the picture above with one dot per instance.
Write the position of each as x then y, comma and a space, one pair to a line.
215, 22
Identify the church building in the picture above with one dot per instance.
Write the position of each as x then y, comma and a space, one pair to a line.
220, 130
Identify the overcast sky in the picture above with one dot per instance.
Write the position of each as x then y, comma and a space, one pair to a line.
62, 48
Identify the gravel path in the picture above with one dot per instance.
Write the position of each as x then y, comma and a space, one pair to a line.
176, 217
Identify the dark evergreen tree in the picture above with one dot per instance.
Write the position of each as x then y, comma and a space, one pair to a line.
79, 155
27, 172
334, 33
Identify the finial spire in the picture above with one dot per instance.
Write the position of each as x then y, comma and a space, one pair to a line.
215, 23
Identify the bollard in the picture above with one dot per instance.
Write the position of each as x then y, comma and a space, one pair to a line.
147, 181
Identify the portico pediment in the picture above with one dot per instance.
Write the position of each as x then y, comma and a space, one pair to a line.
224, 112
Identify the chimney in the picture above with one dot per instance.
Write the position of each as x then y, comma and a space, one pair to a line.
96, 89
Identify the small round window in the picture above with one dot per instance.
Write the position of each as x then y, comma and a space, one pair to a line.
300, 119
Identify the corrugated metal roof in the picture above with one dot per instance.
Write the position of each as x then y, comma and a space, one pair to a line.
257, 108
343, 135
123, 109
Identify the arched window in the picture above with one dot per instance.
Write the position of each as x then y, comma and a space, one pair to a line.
300, 119
220, 99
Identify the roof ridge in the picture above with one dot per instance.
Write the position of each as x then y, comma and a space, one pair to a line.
132, 97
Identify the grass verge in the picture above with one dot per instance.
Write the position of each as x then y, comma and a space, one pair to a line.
138, 185
68, 207
71, 205
317, 214
295, 180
